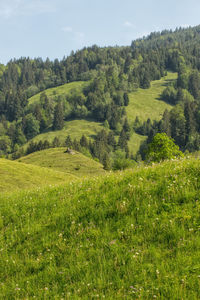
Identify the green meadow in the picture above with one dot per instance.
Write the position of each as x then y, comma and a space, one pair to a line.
74, 128
147, 103
126, 235
17, 176
57, 159
62, 90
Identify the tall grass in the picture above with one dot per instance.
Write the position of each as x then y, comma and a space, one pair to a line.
128, 235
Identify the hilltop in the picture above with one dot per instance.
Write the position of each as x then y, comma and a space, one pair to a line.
58, 159
19, 176
132, 234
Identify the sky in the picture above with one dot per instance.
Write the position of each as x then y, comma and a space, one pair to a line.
53, 28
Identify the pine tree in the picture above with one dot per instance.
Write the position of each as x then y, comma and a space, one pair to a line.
58, 121
111, 140
126, 99
106, 162
84, 141
56, 142
68, 142
122, 142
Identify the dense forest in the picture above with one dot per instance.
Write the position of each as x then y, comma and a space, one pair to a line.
112, 73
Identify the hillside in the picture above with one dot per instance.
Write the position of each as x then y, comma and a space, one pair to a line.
74, 128
62, 90
106, 85
129, 235
144, 103
147, 103
57, 159
17, 176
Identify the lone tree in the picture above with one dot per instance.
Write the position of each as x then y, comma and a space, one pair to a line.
58, 121
162, 147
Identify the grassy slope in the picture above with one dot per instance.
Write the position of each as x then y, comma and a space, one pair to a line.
143, 103
75, 129
130, 235
60, 90
146, 103
57, 159
17, 176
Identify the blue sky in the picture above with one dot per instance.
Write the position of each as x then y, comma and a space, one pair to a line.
53, 28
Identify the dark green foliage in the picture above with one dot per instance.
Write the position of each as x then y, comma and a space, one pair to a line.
122, 142
126, 99
106, 162
84, 141
31, 126
169, 95
68, 141
194, 84
56, 142
58, 120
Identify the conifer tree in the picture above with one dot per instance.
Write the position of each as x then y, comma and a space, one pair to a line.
126, 99
68, 141
84, 141
106, 162
58, 121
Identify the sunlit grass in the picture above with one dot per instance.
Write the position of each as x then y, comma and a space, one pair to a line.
57, 159
17, 176
146, 103
128, 235
62, 90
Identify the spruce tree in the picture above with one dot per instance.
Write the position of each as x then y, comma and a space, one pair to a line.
68, 141
58, 121
126, 99
106, 162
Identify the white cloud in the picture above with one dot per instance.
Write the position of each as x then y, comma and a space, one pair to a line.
129, 24
10, 8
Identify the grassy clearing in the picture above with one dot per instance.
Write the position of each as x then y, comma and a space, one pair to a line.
74, 128
17, 176
135, 141
129, 235
77, 164
61, 90
146, 103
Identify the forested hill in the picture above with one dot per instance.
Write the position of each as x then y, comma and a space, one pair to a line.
111, 74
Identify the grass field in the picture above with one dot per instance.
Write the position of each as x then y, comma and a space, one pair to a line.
128, 235
146, 103
56, 158
17, 176
74, 128
64, 89
135, 141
